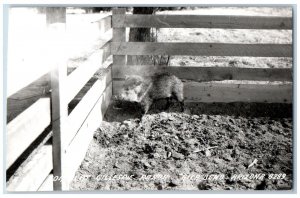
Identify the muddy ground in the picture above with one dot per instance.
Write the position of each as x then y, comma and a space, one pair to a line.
199, 149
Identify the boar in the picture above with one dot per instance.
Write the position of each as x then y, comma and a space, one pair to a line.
144, 90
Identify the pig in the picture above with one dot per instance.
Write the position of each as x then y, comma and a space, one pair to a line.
144, 90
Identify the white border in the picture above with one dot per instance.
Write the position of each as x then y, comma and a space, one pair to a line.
140, 2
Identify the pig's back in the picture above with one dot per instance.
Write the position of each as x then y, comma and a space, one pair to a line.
164, 85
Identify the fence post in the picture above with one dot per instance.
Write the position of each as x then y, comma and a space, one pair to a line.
56, 23
119, 35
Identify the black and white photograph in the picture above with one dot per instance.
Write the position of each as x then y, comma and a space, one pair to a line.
173, 98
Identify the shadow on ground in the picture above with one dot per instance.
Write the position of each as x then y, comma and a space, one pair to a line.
120, 111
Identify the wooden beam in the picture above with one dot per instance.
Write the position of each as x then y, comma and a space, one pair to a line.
47, 184
202, 21
206, 73
59, 116
55, 15
119, 35
25, 128
104, 24
202, 49
78, 147
24, 98
56, 23
77, 79
34, 172
229, 92
218, 92
83, 108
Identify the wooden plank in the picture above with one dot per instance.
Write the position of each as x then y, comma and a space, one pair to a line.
119, 35
34, 172
17, 80
79, 114
77, 79
25, 128
217, 92
56, 24
55, 15
207, 73
104, 24
59, 114
103, 40
202, 49
47, 185
28, 95
202, 21
88, 46
78, 147
229, 92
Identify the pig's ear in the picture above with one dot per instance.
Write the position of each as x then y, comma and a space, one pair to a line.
126, 77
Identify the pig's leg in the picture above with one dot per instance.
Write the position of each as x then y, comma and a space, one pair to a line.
178, 92
146, 104
168, 103
182, 106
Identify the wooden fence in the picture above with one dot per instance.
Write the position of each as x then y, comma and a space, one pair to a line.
53, 164
197, 80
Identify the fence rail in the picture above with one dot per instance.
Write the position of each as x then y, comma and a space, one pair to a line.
206, 73
25, 128
202, 21
34, 172
77, 116
202, 49
77, 79
211, 92
85, 133
104, 24
199, 90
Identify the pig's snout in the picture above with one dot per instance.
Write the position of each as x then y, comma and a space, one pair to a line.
129, 95
116, 97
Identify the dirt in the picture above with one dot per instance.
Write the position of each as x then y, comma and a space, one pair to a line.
172, 150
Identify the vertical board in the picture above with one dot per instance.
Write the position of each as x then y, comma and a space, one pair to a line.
119, 35
56, 20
